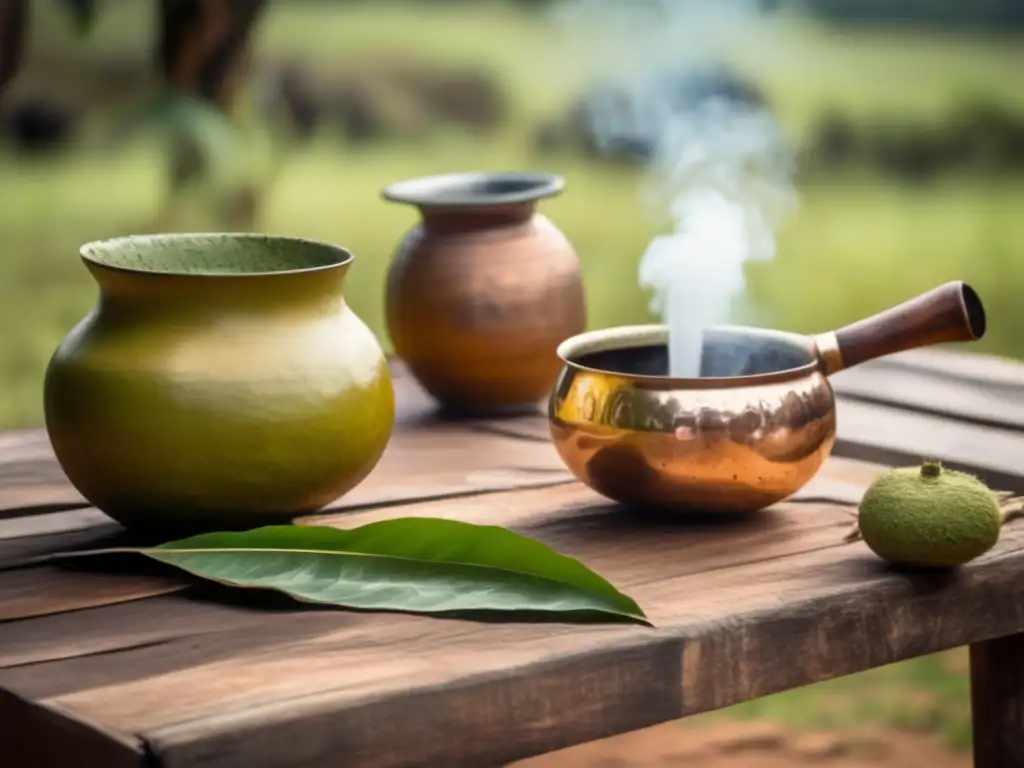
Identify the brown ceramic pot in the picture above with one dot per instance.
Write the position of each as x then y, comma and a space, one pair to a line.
483, 289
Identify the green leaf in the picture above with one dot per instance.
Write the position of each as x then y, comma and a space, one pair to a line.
184, 120
187, 119
413, 564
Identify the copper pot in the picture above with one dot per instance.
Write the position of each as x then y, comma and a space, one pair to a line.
483, 289
750, 432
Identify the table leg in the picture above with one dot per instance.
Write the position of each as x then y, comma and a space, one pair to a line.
997, 702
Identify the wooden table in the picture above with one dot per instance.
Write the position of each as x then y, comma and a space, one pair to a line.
116, 670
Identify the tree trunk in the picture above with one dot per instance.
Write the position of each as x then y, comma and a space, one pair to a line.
203, 50
13, 25
203, 46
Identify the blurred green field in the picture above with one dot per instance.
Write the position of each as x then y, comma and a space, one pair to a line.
856, 244
926, 695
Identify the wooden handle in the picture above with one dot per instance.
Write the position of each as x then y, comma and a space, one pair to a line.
951, 312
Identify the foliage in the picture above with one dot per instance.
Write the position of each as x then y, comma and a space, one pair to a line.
930, 694
180, 118
997, 14
82, 13
412, 564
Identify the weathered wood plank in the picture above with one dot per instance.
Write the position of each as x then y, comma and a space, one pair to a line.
922, 391
569, 517
761, 623
725, 660
30, 592
997, 701
841, 482
889, 435
565, 510
445, 460
958, 361
743, 608
466, 724
19, 549
21, 444
30, 498
34, 483
454, 459
107, 639
29, 473
36, 735
752, 594
50, 523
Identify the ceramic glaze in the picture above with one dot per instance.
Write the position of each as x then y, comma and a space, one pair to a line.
220, 382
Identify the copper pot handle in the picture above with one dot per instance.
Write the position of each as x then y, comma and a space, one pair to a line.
950, 312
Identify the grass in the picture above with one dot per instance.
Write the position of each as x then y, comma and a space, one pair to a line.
930, 695
849, 250
856, 245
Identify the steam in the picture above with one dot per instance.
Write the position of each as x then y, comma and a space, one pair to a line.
719, 167
725, 170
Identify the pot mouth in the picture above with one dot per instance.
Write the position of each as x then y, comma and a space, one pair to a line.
214, 254
475, 189
733, 356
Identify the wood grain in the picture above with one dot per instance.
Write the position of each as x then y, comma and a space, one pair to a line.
38, 735
735, 602
922, 391
960, 361
997, 701
419, 463
422, 461
51, 523
568, 517
21, 444
741, 612
743, 607
38, 543
467, 724
143, 629
949, 312
30, 592
841, 481
33, 480
891, 435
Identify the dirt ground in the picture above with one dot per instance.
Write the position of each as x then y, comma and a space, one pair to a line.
729, 744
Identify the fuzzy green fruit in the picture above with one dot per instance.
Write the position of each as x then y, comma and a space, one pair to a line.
929, 516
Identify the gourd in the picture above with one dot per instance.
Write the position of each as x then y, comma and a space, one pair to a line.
931, 516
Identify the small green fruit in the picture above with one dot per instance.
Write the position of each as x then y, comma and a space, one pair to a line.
929, 516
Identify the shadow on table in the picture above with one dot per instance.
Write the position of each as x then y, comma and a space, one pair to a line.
866, 567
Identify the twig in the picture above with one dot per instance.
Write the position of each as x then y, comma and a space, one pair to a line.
853, 534
1012, 508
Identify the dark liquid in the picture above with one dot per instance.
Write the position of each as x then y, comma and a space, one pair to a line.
725, 354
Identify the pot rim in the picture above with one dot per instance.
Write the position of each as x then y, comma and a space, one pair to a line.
468, 189
632, 336
87, 252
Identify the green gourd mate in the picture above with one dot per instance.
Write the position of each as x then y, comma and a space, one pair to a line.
931, 516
